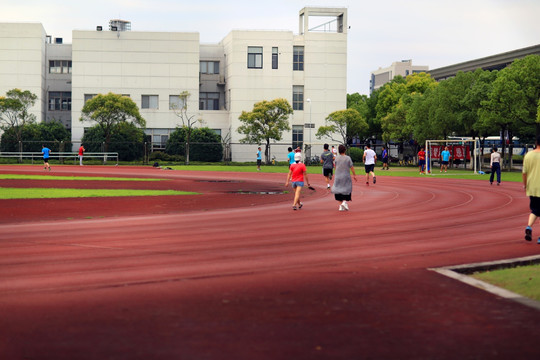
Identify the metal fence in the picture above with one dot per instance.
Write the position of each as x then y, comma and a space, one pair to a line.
62, 157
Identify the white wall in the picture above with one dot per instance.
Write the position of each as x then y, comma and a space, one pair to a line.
135, 64
22, 61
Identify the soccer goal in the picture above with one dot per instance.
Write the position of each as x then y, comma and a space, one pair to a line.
464, 153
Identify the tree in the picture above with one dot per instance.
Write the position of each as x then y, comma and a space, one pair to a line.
346, 123
188, 121
266, 122
206, 144
126, 139
513, 100
53, 133
14, 111
110, 110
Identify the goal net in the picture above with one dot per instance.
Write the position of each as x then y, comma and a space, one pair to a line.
464, 154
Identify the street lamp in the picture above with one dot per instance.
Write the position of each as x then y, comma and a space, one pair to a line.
309, 101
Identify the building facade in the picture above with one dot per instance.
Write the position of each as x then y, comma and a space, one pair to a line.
383, 75
153, 68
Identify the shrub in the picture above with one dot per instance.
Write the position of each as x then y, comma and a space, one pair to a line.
356, 154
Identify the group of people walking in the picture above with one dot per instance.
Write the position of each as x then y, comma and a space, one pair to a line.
344, 174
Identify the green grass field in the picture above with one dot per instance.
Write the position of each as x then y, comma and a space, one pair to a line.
55, 193
523, 280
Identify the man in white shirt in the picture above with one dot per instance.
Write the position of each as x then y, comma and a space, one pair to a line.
369, 159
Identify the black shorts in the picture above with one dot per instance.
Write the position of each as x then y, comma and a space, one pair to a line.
369, 168
259, 161
45, 160
444, 162
534, 205
343, 197
327, 172
385, 160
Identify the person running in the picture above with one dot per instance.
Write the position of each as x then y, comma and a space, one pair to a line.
46, 153
495, 164
297, 176
422, 161
384, 156
259, 158
342, 188
290, 157
445, 159
327, 159
334, 151
531, 185
81, 154
369, 159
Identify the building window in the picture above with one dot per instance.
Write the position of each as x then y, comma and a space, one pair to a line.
298, 58
59, 100
60, 66
297, 136
176, 102
275, 54
208, 101
89, 97
298, 97
149, 102
255, 57
209, 67
158, 138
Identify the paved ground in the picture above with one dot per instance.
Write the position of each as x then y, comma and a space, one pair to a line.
224, 275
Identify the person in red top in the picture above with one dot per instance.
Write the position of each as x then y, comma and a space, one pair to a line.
81, 153
422, 161
297, 174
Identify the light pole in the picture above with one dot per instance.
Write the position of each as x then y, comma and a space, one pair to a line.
309, 101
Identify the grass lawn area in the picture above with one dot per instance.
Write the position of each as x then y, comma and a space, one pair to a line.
408, 171
523, 280
40, 193
52, 177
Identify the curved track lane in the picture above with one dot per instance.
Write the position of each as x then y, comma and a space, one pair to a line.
255, 279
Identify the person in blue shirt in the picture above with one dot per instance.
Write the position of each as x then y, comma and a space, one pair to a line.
46, 153
290, 157
385, 159
445, 158
259, 158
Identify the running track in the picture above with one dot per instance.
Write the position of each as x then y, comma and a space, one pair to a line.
252, 279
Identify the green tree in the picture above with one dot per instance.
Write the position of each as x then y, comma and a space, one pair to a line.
110, 110
266, 122
513, 100
346, 123
126, 139
14, 111
205, 144
53, 134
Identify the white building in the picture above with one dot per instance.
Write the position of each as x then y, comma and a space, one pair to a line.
404, 68
152, 68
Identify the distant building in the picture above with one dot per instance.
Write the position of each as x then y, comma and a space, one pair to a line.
383, 75
493, 62
309, 69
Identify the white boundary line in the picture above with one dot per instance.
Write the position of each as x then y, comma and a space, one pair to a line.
450, 271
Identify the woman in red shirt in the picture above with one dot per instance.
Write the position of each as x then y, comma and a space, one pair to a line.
297, 174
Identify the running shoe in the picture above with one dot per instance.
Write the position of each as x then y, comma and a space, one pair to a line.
528, 233
341, 207
300, 206
374, 179
345, 206
367, 183
294, 207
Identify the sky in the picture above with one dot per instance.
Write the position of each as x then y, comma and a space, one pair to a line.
435, 33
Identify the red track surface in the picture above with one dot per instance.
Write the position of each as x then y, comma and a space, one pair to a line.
242, 276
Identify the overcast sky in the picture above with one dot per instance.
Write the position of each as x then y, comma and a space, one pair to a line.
435, 33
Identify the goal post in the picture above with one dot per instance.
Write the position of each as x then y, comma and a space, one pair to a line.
460, 149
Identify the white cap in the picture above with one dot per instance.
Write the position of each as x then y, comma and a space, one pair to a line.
297, 157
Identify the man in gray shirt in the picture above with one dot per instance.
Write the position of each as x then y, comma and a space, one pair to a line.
327, 159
